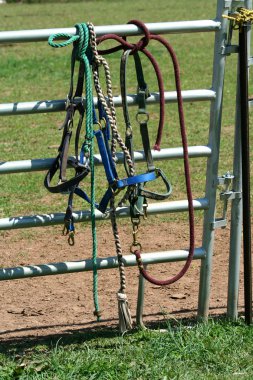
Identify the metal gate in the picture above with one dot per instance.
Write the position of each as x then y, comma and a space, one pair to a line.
222, 48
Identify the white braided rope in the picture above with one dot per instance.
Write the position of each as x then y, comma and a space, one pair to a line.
110, 111
111, 114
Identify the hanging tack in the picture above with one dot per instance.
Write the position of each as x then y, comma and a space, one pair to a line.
125, 321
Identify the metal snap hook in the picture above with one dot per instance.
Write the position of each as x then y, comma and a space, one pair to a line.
71, 238
135, 247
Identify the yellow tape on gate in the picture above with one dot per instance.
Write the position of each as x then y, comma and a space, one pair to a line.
240, 17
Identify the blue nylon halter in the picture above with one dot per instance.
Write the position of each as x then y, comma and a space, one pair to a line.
115, 184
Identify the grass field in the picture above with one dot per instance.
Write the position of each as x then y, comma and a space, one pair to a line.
217, 350
29, 72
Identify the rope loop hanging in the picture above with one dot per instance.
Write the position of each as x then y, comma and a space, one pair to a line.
68, 40
144, 41
141, 47
82, 43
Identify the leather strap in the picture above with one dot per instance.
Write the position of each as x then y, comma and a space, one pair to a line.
62, 161
67, 185
142, 117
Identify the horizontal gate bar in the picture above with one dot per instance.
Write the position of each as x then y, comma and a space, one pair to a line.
7, 167
102, 263
46, 106
121, 30
84, 216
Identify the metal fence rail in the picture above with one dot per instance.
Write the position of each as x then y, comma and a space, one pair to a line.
45, 106
122, 30
84, 216
102, 263
7, 167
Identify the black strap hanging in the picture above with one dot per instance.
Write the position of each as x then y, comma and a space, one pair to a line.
244, 109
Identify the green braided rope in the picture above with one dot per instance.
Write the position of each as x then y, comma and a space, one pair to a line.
89, 147
94, 236
81, 45
59, 36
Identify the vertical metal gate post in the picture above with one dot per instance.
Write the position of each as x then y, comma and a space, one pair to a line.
236, 220
223, 6
236, 207
244, 108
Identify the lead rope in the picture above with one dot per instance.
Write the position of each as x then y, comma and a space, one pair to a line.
81, 44
125, 321
141, 46
137, 252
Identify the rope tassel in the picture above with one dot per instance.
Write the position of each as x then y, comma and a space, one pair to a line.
125, 320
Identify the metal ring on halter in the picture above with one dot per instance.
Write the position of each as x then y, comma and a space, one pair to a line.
139, 115
135, 247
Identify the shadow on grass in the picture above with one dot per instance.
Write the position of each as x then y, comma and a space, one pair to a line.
80, 333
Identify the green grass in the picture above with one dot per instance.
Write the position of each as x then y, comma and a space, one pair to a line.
217, 350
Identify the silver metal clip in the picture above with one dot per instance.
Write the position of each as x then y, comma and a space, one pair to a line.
227, 194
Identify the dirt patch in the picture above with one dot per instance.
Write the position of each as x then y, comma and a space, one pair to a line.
61, 304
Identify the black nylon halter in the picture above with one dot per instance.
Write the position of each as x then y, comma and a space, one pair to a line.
142, 118
73, 104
